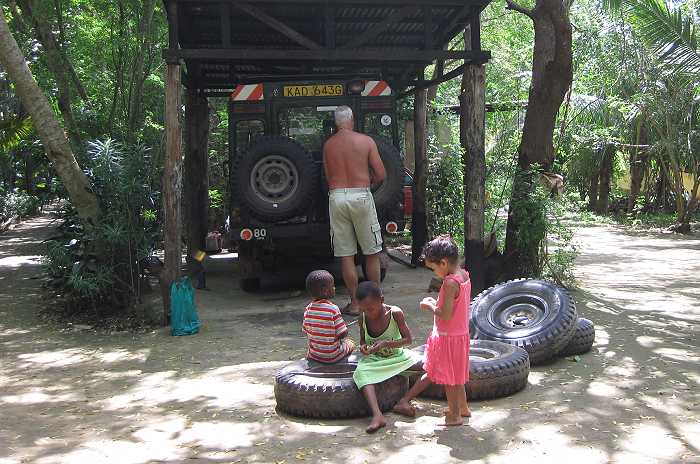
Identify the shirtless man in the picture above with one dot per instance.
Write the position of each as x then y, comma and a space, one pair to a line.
352, 164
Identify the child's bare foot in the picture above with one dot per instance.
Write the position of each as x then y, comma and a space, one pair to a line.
452, 421
377, 423
462, 412
405, 408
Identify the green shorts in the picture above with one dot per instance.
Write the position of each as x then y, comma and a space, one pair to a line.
354, 220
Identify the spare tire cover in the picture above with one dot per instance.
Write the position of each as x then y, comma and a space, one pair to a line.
389, 194
275, 178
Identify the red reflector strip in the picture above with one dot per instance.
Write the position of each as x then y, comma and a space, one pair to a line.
376, 89
248, 92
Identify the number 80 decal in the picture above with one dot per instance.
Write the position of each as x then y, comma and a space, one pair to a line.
257, 234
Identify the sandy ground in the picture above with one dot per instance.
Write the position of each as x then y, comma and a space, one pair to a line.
73, 396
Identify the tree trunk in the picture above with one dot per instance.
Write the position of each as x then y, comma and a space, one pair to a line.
552, 74
472, 133
593, 190
196, 170
172, 184
57, 65
47, 126
419, 224
136, 116
604, 176
639, 159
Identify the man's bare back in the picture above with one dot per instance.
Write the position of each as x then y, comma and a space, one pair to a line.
351, 160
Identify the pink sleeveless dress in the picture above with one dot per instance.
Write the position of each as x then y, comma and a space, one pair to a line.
447, 348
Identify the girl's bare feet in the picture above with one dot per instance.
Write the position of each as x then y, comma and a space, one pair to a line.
377, 423
451, 421
405, 408
463, 412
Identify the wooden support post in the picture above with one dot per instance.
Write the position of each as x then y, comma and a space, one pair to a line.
171, 187
472, 138
196, 170
419, 224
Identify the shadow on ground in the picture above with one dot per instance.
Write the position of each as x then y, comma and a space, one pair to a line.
75, 396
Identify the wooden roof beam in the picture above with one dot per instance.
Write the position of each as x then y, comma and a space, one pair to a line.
277, 25
351, 56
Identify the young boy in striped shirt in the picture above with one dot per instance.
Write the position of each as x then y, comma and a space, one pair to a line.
323, 324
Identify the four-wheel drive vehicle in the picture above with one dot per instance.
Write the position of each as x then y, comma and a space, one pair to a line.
279, 197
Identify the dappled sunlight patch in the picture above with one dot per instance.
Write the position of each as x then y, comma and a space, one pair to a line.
5, 332
487, 419
162, 429
18, 261
602, 337
420, 453
678, 354
557, 444
222, 435
600, 388
293, 429
37, 396
123, 355
535, 378
648, 443
117, 451
649, 342
51, 359
225, 387
626, 368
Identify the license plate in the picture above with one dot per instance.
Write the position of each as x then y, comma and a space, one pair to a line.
331, 90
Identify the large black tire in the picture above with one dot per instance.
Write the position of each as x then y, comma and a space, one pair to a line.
310, 389
389, 194
535, 315
275, 178
495, 370
583, 339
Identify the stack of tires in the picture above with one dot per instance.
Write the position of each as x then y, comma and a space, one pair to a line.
535, 315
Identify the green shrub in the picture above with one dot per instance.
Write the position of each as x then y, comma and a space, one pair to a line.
17, 203
99, 267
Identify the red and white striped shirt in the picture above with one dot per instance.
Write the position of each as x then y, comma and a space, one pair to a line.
324, 326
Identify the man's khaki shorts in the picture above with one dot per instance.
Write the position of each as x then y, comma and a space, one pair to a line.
354, 220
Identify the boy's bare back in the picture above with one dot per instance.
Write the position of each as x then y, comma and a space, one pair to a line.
348, 158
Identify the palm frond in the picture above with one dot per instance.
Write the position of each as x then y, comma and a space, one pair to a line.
14, 131
670, 34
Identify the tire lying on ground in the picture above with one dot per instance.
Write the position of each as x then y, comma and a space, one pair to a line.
535, 315
389, 193
582, 340
310, 389
275, 178
495, 370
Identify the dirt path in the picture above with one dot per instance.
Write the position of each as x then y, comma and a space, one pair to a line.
74, 396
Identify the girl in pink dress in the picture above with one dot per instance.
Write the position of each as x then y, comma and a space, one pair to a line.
447, 349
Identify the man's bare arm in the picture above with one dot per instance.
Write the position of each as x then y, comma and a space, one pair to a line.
378, 173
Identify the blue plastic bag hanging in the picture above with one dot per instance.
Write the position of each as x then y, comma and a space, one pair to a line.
183, 313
